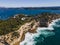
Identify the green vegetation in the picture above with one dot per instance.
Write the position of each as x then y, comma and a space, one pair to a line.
12, 24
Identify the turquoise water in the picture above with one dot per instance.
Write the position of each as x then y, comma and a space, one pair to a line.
44, 36
6, 13
52, 40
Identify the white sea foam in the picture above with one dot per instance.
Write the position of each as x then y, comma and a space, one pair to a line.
30, 37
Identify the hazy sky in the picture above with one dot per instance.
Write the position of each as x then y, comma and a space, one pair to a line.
29, 3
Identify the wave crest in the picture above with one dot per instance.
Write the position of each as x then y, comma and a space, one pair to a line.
42, 32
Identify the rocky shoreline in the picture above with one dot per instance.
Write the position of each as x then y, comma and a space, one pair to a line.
22, 30
38, 21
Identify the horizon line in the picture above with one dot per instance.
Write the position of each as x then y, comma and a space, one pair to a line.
27, 6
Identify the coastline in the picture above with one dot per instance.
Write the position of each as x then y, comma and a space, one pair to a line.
22, 36
31, 27
33, 31
50, 28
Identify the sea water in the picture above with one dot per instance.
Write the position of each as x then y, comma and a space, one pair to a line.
45, 35
6, 13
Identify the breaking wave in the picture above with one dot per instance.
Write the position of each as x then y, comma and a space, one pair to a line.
42, 33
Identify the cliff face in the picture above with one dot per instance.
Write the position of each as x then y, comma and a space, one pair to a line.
46, 18
31, 24
10, 39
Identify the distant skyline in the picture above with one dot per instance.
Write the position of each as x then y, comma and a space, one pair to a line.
29, 3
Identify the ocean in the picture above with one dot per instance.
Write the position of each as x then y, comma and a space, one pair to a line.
45, 35
6, 13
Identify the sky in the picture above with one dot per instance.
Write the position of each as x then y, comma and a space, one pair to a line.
29, 3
